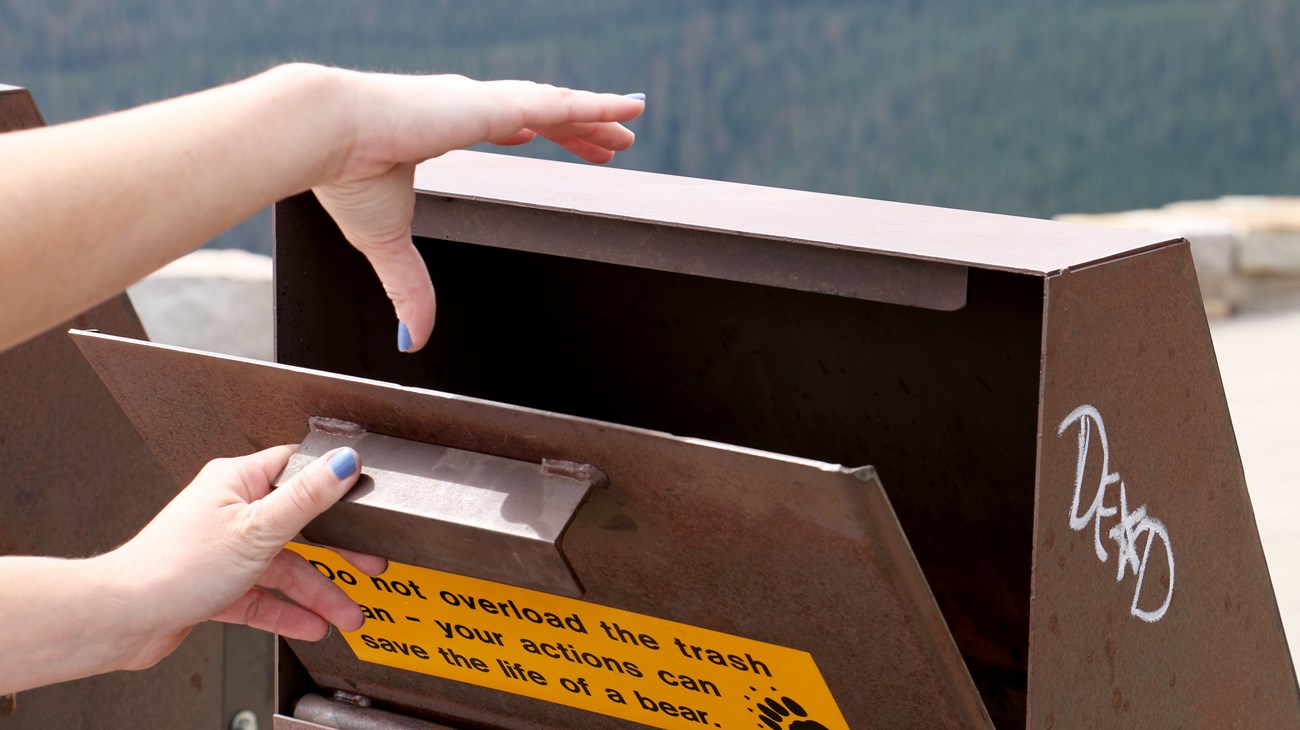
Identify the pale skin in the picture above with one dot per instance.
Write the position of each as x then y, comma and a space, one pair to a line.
93, 206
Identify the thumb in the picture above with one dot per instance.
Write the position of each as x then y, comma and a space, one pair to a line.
374, 214
288, 509
406, 281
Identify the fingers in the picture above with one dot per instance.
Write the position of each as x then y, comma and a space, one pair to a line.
551, 106
280, 515
375, 216
316, 601
406, 281
260, 609
523, 136
581, 122
371, 565
611, 136
258, 471
586, 150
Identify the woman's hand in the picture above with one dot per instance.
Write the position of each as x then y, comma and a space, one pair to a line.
113, 198
216, 552
402, 120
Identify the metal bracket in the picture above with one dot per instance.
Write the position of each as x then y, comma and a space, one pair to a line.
459, 511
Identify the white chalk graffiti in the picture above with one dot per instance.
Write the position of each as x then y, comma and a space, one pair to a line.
1130, 528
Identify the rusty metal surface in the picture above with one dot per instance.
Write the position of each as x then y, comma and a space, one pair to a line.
771, 548
943, 404
465, 512
75, 480
1152, 602
803, 221
18, 110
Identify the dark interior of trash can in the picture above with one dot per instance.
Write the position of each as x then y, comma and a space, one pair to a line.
943, 404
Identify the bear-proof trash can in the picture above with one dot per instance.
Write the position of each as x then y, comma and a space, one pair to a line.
689, 454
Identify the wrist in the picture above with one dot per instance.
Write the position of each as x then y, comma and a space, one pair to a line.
63, 619
122, 620
319, 105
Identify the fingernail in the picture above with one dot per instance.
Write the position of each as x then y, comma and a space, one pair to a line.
638, 96
344, 463
403, 337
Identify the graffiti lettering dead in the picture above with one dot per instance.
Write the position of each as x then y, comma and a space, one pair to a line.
1133, 532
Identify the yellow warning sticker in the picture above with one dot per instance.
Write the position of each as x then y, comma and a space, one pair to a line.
659, 673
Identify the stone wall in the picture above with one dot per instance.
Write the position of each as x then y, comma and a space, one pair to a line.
1247, 249
220, 300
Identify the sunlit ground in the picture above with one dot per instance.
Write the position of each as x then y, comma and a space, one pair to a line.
1259, 357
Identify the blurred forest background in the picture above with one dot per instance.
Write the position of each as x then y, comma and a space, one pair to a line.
1030, 107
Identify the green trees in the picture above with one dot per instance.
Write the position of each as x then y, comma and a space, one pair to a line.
1021, 106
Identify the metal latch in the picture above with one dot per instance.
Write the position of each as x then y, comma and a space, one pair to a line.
463, 512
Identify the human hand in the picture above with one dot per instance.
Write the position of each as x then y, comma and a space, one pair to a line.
402, 120
217, 552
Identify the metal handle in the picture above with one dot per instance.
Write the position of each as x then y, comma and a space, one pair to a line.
458, 511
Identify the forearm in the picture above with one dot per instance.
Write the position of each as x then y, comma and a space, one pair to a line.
64, 619
93, 206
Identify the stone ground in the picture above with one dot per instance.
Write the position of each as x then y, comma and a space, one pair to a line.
221, 301
1259, 360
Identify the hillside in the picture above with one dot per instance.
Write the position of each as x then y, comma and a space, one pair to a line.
1021, 106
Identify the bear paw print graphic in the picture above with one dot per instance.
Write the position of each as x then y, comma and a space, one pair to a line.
783, 714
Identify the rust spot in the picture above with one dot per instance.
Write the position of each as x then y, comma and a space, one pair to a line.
1052, 625
573, 470
1110, 657
1227, 604
1060, 563
1050, 537
1117, 701
620, 523
1051, 720
334, 426
1173, 680
196, 680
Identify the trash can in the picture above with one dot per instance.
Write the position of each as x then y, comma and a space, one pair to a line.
708, 454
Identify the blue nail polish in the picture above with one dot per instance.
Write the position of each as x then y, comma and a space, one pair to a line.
344, 463
638, 96
403, 337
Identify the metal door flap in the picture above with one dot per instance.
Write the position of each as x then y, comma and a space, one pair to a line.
798, 555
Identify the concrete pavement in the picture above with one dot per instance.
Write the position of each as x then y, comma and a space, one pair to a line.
1259, 360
